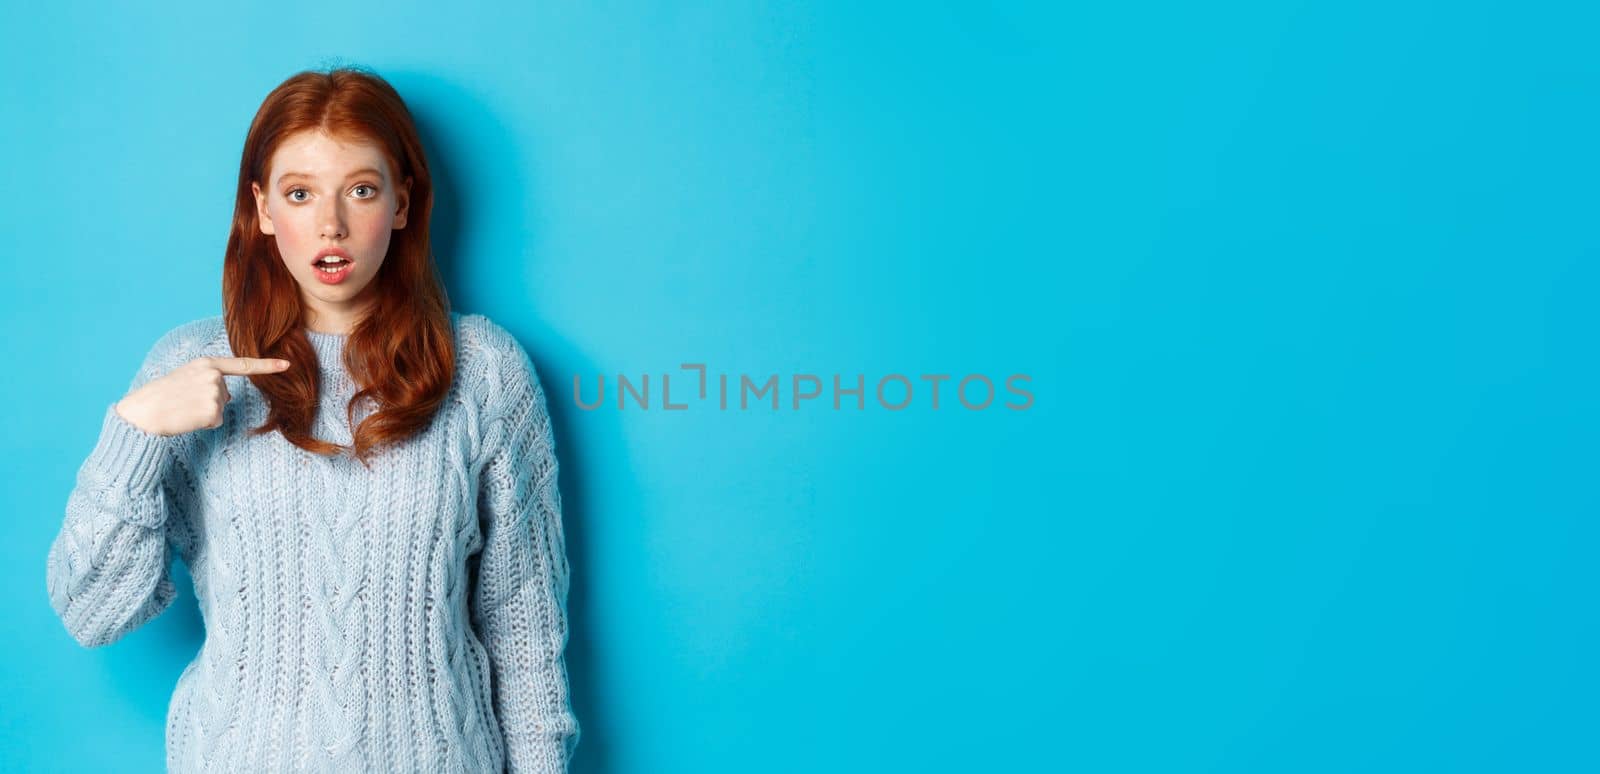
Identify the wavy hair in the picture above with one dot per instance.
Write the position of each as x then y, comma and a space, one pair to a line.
401, 354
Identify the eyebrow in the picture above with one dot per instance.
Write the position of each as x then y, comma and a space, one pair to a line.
357, 173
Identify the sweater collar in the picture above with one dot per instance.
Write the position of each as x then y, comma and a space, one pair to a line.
330, 356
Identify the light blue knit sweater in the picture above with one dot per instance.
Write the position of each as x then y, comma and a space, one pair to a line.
411, 618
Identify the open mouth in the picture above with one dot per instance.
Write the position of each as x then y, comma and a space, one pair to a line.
332, 269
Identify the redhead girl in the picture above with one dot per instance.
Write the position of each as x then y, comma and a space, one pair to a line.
361, 481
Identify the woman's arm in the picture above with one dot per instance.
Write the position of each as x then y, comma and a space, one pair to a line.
519, 600
108, 567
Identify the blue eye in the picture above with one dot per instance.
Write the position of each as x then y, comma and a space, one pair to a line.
289, 194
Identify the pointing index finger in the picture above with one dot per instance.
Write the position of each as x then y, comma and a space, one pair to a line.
248, 365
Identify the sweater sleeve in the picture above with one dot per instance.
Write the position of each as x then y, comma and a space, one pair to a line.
107, 572
519, 596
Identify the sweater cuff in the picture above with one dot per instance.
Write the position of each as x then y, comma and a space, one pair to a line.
127, 457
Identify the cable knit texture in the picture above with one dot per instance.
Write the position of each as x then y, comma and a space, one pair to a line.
407, 618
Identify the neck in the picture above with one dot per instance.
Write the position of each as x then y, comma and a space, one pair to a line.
337, 321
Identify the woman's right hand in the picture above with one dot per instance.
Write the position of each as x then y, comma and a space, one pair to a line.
191, 396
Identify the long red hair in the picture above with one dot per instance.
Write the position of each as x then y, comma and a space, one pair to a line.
401, 354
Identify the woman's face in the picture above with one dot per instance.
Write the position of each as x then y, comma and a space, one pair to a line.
323, 194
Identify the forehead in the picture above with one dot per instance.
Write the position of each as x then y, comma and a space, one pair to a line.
316, 154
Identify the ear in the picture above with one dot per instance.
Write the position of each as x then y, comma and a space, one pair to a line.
261, 209
403, 195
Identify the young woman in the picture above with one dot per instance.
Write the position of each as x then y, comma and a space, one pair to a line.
361, 481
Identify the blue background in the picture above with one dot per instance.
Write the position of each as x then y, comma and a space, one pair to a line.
1306, 291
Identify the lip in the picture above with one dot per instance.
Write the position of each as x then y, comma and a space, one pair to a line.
339, 251
338, 276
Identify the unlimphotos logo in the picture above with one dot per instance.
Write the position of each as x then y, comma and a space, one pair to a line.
894, 392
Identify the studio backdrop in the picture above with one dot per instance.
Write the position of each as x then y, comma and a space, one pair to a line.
1152, 387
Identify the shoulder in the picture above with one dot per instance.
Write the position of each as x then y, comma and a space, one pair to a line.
195, 334
481, 337
493, 365
188, 340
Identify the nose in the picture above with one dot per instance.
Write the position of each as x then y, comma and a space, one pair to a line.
331, 221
